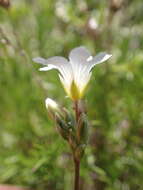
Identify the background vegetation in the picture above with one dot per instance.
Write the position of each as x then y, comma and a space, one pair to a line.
32, 153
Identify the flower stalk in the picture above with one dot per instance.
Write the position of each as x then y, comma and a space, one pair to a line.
77, 111
77, 174
77, 161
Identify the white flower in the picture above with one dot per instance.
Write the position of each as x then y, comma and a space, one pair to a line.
51, 104
74, 73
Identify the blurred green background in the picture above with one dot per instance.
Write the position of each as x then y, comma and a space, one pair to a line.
32, 153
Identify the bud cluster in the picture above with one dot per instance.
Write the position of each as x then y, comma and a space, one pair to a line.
73, 131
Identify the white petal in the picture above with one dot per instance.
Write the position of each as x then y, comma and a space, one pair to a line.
85, 77
49, 67
89, 58
79, 54
56, 60
44, 69
63, 66
39, 60
59, 63
66, 84
99, 58
78, 58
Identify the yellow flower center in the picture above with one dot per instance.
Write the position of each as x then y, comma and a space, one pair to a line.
74, 91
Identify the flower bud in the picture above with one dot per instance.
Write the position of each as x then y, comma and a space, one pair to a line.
62, 127
51, 104
52, 107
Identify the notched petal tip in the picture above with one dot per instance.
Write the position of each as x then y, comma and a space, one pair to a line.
90, 58
101, 57
79, 48
79, 54
107, 56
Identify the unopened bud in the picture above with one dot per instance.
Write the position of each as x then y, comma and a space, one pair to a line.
62, 127
52, 107
51, 104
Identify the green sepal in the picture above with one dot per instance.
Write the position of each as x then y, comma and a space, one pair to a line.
79, 151
65, 124
82, 129
62, 127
